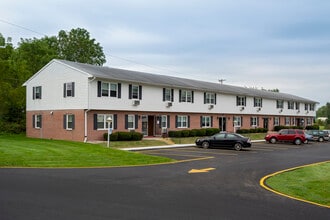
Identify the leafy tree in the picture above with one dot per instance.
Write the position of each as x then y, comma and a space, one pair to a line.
76, 45
324, 111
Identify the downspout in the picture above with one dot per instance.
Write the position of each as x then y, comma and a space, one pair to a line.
86, 111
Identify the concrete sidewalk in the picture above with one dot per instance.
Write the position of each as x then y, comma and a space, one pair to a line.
168, 146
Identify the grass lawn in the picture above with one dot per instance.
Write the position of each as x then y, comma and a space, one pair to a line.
19, 151
311, 183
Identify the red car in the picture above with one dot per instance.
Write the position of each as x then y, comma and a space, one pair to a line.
295, 136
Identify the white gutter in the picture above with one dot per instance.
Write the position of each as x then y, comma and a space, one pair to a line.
86, 111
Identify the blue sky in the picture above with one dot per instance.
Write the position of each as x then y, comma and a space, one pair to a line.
269, 44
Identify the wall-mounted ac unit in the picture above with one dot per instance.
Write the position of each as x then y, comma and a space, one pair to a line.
136, 102
211, 106
169, 104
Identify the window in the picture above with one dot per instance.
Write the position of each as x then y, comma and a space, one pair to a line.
134, 92
297, 105
276, 121
309, 121
237, 121
209, 98
36, 92
254, 122
290, 105
257, 102
102, 123
186, 96
306, 107
279, 104
206, 121
287, 120
130, 122
312, 107
108, 89
68, 123
164, 121
68, 89
37, 121
168, 95
240, 100
182, 121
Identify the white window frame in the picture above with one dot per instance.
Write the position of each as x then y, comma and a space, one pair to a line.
238, 121
290, 105
37, 92
186, 96
297, 104
312, 107
168, 94
164, 121
182, 121
279, 104
241, 101
106, 89
69, 119
309, 121
103, 121
210, 98
254, 122
287, 121
37, 121
135, 91
276, 121
131, 122
206, 121
69, 88
257, 102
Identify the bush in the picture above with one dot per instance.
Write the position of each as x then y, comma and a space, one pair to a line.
136, 136
174, 134
124, 136
252, 130
185, 133
193, 133
211, 131
312, 127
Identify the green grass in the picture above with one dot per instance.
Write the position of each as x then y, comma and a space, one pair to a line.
311, 183
19, 151
142, 143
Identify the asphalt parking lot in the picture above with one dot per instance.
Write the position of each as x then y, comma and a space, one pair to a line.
195, 153
203, 184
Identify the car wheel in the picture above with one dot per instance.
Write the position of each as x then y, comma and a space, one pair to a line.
272, 140
321, 139
205, 144
238, 146
297, 141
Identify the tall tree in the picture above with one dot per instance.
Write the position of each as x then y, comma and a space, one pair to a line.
76, 45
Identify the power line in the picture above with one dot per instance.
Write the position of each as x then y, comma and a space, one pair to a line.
115, 56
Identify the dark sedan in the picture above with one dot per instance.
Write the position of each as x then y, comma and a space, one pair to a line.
230, 140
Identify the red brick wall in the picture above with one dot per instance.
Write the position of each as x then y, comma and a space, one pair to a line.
52, 123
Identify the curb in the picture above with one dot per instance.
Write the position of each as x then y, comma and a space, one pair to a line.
168, 146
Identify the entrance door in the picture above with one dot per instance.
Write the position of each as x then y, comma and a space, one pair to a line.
151, 124
145, 125
222, 123
266, 121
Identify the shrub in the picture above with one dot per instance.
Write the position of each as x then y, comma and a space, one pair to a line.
114, 136
136, 136
174, 134
211, 131
313, 127
124, 136
185, 133
200, 132
193, 133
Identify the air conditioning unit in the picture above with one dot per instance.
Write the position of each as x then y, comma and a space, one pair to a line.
169, 104
136, 102
211, 106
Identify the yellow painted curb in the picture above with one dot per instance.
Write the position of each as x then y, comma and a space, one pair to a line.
262, 184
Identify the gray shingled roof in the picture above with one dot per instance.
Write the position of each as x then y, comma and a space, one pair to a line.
122, 75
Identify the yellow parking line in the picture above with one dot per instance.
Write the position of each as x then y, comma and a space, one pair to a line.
263, 179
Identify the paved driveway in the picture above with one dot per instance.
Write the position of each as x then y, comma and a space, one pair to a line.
229, 190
